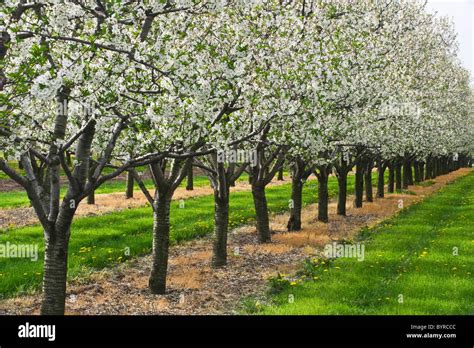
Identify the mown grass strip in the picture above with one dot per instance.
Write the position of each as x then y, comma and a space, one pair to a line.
419, 262
18, 199
101, 241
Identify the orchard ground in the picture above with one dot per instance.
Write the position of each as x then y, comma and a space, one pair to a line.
102, 283
421, 262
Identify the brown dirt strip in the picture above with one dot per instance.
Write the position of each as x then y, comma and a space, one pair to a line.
195, 288
7, 185
111, 202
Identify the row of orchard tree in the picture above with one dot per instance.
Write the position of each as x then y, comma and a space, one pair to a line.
321, 86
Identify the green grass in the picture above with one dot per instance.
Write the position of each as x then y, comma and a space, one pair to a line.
18, 199
409, 255
100, 241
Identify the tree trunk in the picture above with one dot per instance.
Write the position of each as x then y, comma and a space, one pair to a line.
342, 194
55, 265
190, 179
406, 169
280, 174
369, 196
421, 171
398, 176
428, 169
130, 184
359, 185
391, 178
91, 198
261, 210
55, 277
323, 194
221, 224
294, 223
161, 232
380, 179
410, 173
416, 168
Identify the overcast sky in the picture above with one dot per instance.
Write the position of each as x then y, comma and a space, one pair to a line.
462, 13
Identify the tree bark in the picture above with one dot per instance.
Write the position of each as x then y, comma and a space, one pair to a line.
323, 194
294, 223
161, 232
261, 210
130, 186
60, 219
428, 169
55, 265
55, 277
190, 179
280, 174
359, 184
410, 173
369, 196
391, 177
398, 176
380, 179
342, 192
221, 223
91, 198
421, 171
406, 170
416, 168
